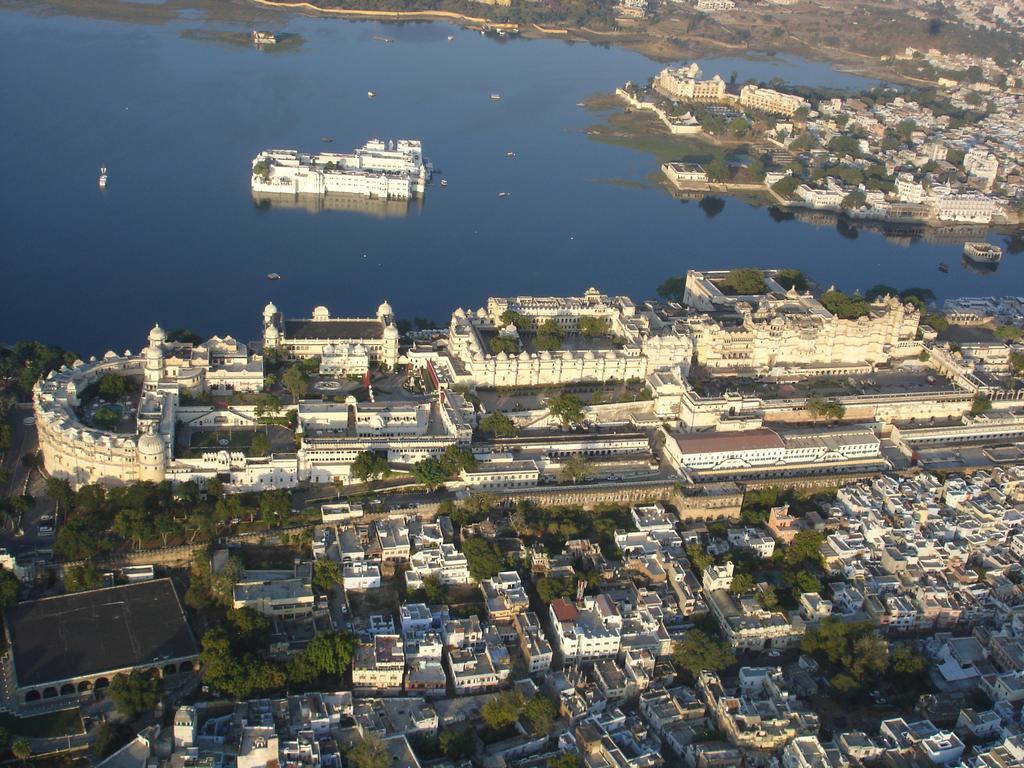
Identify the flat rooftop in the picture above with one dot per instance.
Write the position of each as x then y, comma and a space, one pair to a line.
333, 329
89, 633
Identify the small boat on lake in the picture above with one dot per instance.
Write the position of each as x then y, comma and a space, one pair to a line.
943, 267
326, 139
103, 177
495, 97
504, 194
444, 182
371, 94
273, 276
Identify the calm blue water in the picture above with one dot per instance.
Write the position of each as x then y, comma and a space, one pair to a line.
176, 237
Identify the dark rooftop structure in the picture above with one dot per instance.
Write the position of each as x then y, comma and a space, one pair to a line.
333, 329
96, 632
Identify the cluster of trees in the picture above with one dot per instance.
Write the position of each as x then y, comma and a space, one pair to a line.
507, 344
550, 337
786, 186
980, 404
859, 658
566, 407
498, 425
919, 297
819, 407
24, 363
504, 709
433, 472
699, 651
234, 648
135, 693
369, 466
551, 588
101, 520
483, 557
554, 525
792, 278
595, 327
673, 289
742, 282
843, 306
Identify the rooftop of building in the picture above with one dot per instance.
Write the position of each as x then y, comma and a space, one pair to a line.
334, 328
102, 630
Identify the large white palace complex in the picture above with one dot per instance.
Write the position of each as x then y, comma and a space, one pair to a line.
716, 363
637, 342
790, 332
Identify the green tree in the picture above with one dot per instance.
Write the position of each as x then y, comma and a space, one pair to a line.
79, 578
741, 583
574, 469
845, 307
698, 558
698, 651
21, 749
275, 506
369, 466
507, 344
786, 186
511, 317
430, 472
112, 387
369, 752
768, 598
805, 549
540, 713
1017, 362
457, 743
260, 445
483, 557
673, 289
1008, 333
819, 407
134, 693
566, 407
502, 710
744, 281
456, 459
717, 169
904, 661
8, 589
594, 327
106, 417
980, 404
328, 655
498, 425
267, 405
549, 337
296, 381
855, 199
434, 590
550, 589
792, 278
565, 760
326, 574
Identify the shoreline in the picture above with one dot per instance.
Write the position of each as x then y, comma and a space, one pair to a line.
657, 47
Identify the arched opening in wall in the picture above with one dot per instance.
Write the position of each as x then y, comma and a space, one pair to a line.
67, 689
84, 687
101, 682
185, 668
170, 669
50, 693
32, 696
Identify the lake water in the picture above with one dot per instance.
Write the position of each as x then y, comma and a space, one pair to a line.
177, 238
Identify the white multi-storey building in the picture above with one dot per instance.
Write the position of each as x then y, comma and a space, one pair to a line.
589, 633
392, 171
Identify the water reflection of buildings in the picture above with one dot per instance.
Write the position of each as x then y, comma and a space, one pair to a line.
340, 201
896, 232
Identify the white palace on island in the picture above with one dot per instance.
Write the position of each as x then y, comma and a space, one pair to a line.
391, 171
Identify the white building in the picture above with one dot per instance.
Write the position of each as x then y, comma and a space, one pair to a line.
589, 633
388, 171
